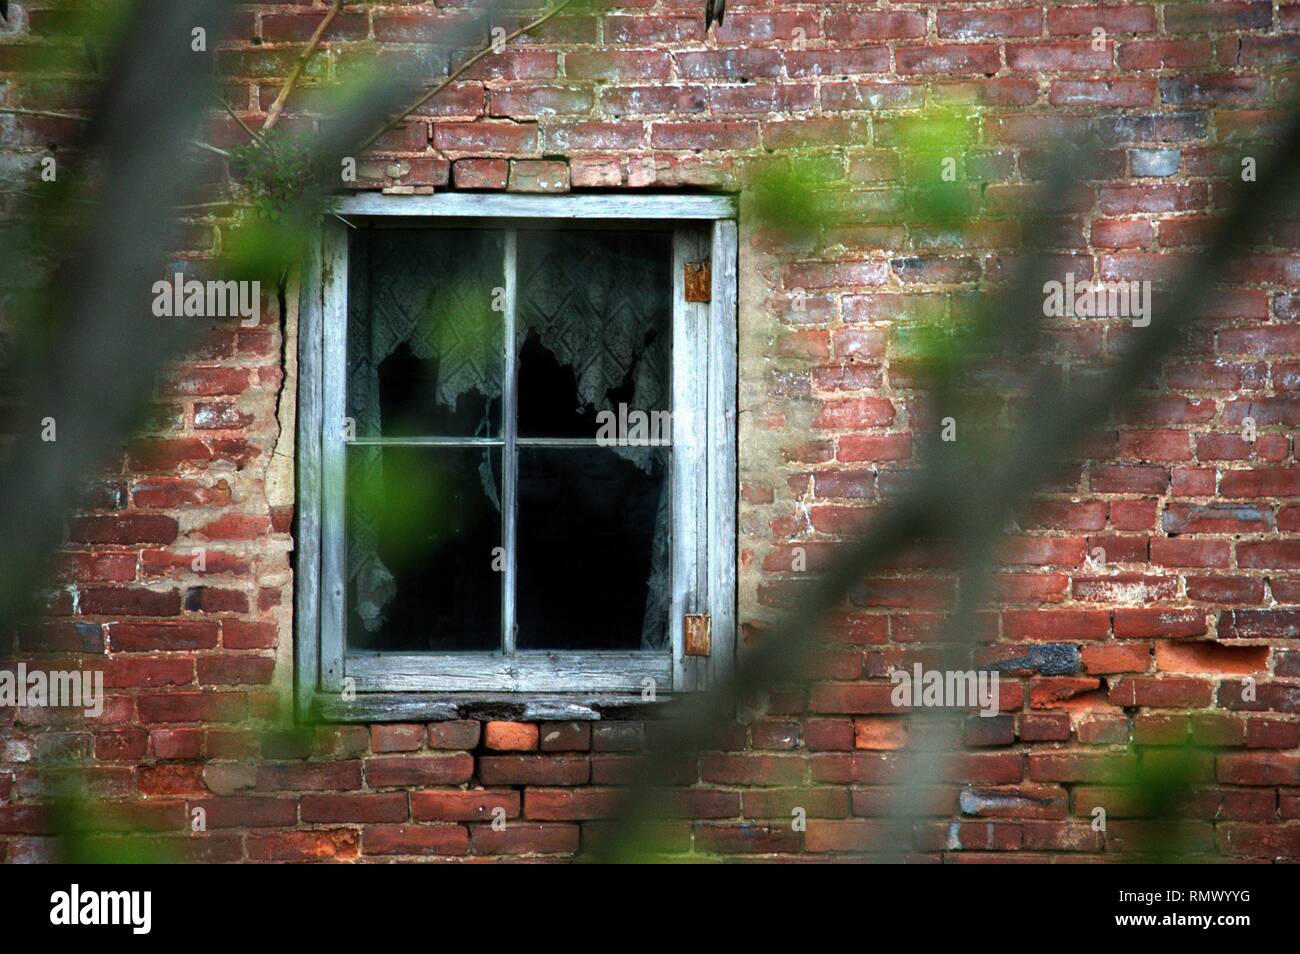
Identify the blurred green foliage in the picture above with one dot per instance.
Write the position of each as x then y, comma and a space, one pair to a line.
788, 194
935, 147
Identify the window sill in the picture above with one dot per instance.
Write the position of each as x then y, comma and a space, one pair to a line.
511, 706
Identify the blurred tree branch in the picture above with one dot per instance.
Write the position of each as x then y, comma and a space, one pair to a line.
93, 317
954, 504
92, 352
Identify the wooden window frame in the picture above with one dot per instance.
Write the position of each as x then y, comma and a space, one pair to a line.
372, 686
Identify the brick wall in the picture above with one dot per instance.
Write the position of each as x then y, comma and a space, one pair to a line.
1199, 525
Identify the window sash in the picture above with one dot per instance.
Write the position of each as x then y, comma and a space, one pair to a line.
702, 463
497, 668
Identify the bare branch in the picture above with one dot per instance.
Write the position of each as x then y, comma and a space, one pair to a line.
252, 133
460, 71
208, 147
51, 114
44, 113
273, 114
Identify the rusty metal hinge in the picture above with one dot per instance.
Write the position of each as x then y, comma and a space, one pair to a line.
699, 634
699, 281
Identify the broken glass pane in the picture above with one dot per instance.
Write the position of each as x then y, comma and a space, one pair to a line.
595, 324
423, 548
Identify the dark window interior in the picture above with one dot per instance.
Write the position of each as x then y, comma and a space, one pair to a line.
428, 507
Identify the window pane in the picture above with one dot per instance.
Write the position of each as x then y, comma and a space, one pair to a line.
594, 539
421, 527
595, 319
425, 346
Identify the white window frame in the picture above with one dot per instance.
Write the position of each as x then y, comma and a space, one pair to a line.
344, 685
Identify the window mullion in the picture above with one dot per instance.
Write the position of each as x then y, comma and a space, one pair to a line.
509, 470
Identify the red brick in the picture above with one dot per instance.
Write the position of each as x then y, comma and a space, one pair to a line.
186, 706
1283, 555
162, 635
181, 743
1112, 93
480, 173
402, 772
951, 59
397, 738
484, 137
855, 835
1058, 56
123, 529
510, 736
729, 65
875, 26
571, 804
1052, 625
618, 65
458, 805
719, 134
248, 812
457, 734
539, 176
1161, 692
231, 670
1190, 553
1125, 657
239, 634
989, 24
449, 840
130, 601
1258, 768
1082, 20
534, 770
303, 845
752, 769
522, 838
355, 808
854, 413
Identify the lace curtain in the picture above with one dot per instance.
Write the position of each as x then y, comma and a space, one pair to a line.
594, 300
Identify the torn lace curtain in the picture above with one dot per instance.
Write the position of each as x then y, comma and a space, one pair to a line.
591, 300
